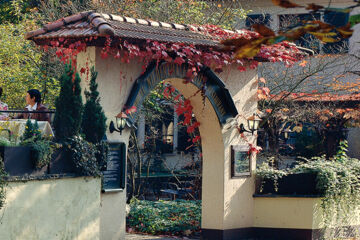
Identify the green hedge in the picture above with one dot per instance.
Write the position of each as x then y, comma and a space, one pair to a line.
178, 217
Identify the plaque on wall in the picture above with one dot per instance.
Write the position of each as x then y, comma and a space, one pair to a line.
240, 161
114, 175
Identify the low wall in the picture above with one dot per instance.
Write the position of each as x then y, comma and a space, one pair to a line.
296, 218
53, 208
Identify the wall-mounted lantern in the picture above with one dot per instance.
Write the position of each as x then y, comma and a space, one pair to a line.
253, 124
287, 131
120, 123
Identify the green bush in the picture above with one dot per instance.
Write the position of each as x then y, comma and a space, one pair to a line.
41, 153
41, 149
69, 105
337, 179
93, 119
178, 217
83, 154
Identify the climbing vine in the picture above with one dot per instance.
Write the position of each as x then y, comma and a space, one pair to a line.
194, 57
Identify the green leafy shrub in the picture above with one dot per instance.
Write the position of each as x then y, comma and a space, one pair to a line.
178, 217
6, 142
32, 132
101, 154
69, 105
41, 149
337, 180
266, 172
41, 152
83, 155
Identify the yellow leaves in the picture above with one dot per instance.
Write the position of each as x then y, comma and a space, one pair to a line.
303, 63
295, 33
285, 4
297, 128
340, 111
250, 49
345, 31
327, 37
317, 25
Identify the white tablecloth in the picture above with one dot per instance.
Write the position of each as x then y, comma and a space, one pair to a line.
17, 128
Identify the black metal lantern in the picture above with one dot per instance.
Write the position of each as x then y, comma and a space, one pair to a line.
253, 124
120, 123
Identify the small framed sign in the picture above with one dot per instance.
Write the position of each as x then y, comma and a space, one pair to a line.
240, 161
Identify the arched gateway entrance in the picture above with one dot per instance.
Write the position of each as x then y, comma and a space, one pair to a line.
227, 203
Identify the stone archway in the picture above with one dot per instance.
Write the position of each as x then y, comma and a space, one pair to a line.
218, 107
227, 205
218, 96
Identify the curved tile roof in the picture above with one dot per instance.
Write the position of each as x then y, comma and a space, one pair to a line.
91, 24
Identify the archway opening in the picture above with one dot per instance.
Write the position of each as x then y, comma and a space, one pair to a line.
212, 108
164, 160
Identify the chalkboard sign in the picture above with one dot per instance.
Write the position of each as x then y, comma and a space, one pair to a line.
114, 175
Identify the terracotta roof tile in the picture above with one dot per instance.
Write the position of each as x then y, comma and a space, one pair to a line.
90, 23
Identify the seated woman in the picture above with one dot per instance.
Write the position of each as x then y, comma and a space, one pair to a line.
3, 107
33, 99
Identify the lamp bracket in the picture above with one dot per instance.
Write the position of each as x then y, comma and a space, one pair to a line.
242, 129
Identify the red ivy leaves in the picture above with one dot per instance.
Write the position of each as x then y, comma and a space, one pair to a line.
131, 110
180, 53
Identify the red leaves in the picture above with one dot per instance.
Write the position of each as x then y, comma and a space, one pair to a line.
131, 110
184, 107
263, 93
191, 128
82, 70
168, 91
241, 68
179, 60
254, 149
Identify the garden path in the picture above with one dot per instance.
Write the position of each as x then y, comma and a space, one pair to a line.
149, 237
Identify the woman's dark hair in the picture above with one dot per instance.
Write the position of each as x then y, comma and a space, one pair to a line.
1, 91
35, 93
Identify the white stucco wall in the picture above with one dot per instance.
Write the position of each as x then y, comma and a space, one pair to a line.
115, 80
56, 209
226, 203
239, 203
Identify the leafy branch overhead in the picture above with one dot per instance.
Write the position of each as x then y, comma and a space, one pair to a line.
325, 32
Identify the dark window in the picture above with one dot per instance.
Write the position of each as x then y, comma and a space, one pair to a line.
337, 19
264, 19
290, 21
